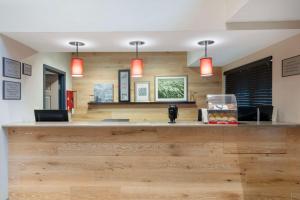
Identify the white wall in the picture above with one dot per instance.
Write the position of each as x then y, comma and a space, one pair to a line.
286, 90
32, 92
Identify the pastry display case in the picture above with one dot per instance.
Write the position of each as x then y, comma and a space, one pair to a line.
222, 109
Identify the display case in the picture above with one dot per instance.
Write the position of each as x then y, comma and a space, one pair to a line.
222, 109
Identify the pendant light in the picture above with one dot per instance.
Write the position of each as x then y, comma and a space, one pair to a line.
206, 65
76, 62
137, 64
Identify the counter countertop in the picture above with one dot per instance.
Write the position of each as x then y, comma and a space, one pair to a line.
142, 124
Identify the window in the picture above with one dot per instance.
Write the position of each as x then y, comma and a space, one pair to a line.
251, 83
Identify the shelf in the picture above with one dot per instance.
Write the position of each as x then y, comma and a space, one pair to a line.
181, 104
221, 110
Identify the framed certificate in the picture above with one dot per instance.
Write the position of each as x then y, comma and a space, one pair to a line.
11, 90
26, 69
124, 85
11, 68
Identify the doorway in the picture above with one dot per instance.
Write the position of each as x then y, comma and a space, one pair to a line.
54, 86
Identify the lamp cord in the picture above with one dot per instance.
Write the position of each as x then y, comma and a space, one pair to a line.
77, 49
205, 49
136, 50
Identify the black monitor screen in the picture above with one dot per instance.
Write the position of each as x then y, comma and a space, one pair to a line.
246, 113
250, 113
266, 113
51, 115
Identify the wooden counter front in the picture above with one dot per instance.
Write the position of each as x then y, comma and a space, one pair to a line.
153, 162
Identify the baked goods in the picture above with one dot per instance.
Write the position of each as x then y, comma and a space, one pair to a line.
222, 108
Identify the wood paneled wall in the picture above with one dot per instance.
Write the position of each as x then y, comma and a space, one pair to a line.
157, 163
103, 68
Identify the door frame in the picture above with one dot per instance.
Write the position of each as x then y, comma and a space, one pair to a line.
62, 83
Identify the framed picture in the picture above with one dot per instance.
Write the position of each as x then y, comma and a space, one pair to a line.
124, 85
11, 90
171, 88
142, 91
26, 69
291, 66
11, 68
104, 92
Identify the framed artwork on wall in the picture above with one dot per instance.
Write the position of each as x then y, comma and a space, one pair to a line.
171, 88
26, 69
11, 90
142, 91
11, 68
124, 85
104, 92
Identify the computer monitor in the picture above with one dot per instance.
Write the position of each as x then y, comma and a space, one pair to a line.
266, 112
51, 115
249, 113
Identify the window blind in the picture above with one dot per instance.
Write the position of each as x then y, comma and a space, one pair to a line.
251, 83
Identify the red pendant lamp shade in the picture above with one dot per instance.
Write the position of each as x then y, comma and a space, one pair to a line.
76, 62
206, 67
137, 67
77, 67
137, 64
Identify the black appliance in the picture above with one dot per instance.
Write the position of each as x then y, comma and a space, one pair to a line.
200, 115
173, 112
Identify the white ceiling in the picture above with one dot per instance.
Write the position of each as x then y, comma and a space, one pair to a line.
165, 25
111, 15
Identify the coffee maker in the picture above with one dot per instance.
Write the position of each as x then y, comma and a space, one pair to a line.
173, 112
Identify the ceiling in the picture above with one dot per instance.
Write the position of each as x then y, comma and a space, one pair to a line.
165, 25
268, 10
110, 15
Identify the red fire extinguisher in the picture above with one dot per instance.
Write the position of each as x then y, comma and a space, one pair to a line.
70, 100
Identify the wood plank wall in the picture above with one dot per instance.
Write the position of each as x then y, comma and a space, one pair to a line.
154, 163
103, 68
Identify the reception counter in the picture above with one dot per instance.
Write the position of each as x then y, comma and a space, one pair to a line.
153, 160
89, 124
